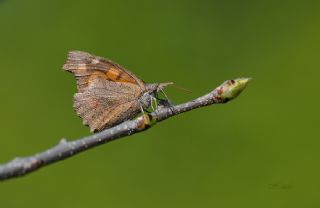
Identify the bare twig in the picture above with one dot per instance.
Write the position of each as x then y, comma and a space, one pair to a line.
65, 149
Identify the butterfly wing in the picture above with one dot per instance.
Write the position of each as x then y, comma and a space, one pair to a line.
86, 67
105, 103
107, 93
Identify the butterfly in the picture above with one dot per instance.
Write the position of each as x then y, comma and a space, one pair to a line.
107, 93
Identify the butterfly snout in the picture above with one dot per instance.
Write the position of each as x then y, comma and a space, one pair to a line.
161, 86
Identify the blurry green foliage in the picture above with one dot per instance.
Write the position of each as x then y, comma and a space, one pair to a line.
260, 150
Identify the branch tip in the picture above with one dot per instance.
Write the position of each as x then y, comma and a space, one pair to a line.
230, 89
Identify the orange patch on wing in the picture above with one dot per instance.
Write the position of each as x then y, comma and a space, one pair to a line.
113, 74
96, 74
117, 75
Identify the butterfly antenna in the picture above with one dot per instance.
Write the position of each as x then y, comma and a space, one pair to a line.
181, 88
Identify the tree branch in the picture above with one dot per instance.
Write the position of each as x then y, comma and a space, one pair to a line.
65, 149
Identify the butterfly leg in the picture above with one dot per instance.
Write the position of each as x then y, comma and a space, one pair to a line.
167, 103
164, 102
154, 103
141, 108
164, 94
144, 111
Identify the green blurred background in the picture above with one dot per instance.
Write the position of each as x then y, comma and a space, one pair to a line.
260, 150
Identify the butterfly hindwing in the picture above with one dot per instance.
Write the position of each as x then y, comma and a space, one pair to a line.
105, 103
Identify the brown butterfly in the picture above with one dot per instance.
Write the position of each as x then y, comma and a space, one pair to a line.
107, 93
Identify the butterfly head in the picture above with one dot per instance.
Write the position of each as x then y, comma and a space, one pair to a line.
157, 87
151, 93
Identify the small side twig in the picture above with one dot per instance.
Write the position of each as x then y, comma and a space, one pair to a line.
65, 149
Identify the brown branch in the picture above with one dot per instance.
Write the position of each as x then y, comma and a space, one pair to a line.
65, 149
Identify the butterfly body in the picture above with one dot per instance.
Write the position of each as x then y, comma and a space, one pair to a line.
107, 93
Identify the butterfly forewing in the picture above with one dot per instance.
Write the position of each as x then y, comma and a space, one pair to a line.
86, 67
